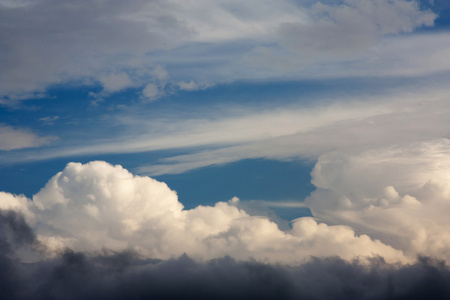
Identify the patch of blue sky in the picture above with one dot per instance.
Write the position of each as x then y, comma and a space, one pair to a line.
442, 9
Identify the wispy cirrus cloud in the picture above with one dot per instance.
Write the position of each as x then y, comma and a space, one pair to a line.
219, 136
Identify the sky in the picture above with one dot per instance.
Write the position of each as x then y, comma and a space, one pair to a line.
287, 149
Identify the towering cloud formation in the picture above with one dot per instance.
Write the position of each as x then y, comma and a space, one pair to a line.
400, 195
94, 206
108, 212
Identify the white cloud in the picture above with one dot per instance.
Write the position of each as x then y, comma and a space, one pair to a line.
95, 206
398, 194
80, 42
18, 138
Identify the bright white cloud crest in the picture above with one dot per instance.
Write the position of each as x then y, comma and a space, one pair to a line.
94, 206
375, 202
399, 195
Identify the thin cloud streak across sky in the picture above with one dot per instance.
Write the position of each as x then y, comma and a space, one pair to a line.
281, 133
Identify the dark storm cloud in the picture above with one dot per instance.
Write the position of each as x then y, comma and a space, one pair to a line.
109, 275
14, 232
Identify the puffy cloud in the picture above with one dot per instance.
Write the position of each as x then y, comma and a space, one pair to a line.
94, 206
17, 203
400, 195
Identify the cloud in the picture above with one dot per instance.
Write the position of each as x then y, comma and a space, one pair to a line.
77, 42
49, 120
115, 82
193, 86
14, 232
94, 206
18, 138
160, 73
353, 25
346, 126
397, 194
152, 92
127, 44
118, 275
220, 135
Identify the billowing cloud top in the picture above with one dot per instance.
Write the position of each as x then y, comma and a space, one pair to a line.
97, 205
113, 219
402, 208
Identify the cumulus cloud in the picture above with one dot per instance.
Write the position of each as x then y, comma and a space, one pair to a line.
94, 206
398, 194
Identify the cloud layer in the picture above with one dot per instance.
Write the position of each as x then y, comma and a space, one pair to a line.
118, 275
116, 44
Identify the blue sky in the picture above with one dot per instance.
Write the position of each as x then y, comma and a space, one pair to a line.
274, 130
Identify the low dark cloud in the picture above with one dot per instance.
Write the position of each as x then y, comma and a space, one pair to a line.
113, 275
14, 232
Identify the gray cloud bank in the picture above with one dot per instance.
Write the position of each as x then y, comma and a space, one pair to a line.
121, 44
123, 275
